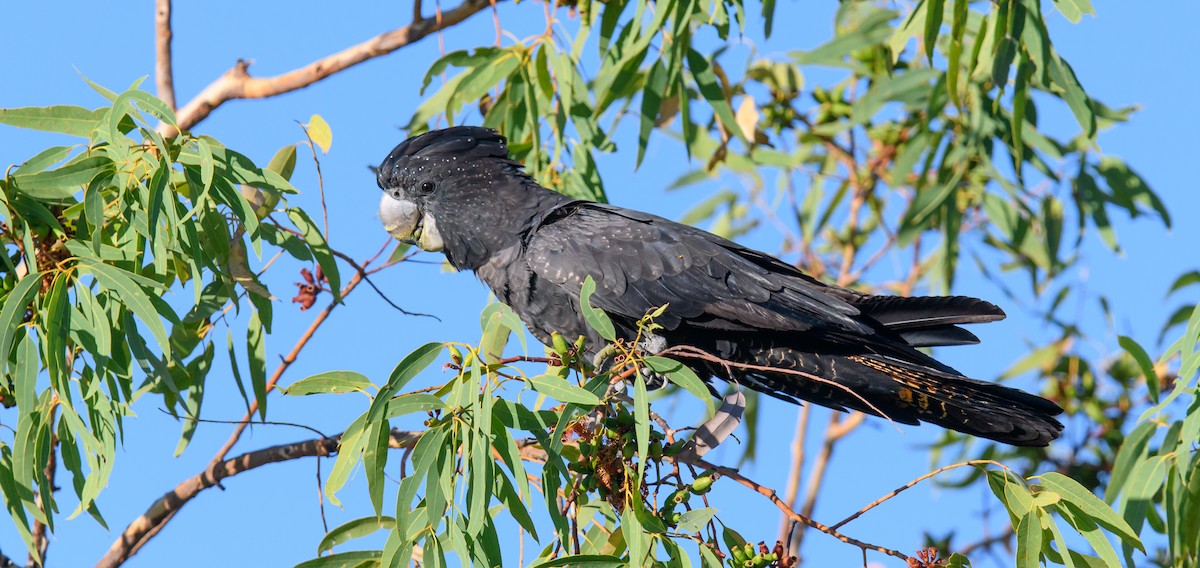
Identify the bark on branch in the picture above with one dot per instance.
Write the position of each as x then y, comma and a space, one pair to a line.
164, 76
238, 84
147, 525
173, 500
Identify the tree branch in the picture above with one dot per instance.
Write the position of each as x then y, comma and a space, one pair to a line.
287, 361
172, 501
836, 430
144, 527
791, 513
164, 76
238, 84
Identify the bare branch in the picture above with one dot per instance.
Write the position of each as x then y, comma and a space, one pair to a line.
238, 84
796, 469
836, 430
164, 76
166, 506
791, 513
900, 489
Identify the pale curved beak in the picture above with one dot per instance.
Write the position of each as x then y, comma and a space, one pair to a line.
400, 217
405, 221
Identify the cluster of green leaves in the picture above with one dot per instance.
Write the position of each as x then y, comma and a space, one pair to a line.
644, 49
604, 472
96, 237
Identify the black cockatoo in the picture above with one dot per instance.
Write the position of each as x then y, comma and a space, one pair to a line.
457, 191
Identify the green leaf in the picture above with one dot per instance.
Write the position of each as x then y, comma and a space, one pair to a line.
562, 391
933, 25
653, 95
13, 313
1144, 364
641, 427
329, 382
44, 159
350, 449
597, 319
1029, 540
318, 130
1096, 509
710, 88
375, 456
1073, 93
1131, 453
694, 520
584, 561
409, 367
684, 377
413, 402
1069, 9
256, 352
1020, 103
904, 87
72, 120
320, 249
63, 182
1085, 526
357, 528
126, 289
353, 559
15, 500
284, 161
871, 30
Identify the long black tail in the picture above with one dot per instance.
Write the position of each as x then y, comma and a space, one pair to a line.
908, 393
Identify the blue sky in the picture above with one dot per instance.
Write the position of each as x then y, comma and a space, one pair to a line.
1133, 53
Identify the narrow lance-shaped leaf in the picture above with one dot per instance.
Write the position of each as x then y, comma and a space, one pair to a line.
256, 352
595, 318
710, 88
933, 25
72, 120
329, 382
13, 313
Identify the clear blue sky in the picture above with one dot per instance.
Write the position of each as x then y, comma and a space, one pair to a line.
1133, 53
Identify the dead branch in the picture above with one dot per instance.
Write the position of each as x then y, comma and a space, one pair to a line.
237, 83
791, 513
163, 74
908, 485
144, 526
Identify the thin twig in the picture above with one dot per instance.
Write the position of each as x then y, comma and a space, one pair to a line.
771, 494
908, 485
164, 76
284, 364
237, 83
320, 179
694, 353
362, 272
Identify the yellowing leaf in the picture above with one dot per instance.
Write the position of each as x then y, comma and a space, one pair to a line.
319, 132
747, 117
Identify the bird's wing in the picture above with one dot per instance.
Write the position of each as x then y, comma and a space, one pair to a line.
641, 261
